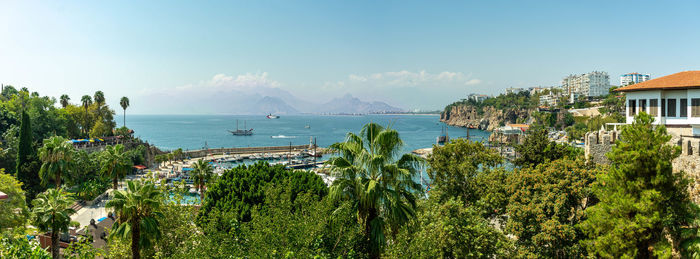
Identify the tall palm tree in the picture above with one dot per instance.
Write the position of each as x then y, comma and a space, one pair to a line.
124, 103
115, 163
378, 183
58, 158
171, 156
64, 100
99, 98
137, 215
51, 212
202, 173
86, 100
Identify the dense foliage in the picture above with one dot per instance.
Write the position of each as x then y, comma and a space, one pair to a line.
537, 149
13, 211
546, 202
449, 230
27, 119
242, 189
521, 100
644, 206
455, 167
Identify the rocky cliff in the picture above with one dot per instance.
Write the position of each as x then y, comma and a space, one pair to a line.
489, 119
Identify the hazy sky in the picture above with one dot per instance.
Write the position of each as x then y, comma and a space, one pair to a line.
409, 54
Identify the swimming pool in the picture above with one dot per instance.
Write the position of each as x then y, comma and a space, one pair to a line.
188, 198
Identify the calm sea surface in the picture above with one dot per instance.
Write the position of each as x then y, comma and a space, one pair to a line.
193, 131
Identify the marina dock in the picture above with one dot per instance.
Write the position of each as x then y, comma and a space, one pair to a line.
249, 150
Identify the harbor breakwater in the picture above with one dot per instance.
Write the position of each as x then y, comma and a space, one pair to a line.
249, 150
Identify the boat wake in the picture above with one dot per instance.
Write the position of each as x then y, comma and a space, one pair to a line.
282, 136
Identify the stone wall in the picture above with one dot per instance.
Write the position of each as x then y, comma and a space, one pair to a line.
689, 162
599, 143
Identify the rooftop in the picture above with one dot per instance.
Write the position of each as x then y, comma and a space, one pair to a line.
681, 80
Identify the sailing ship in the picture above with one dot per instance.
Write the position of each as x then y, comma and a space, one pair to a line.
272, 116
241, 132
444, 137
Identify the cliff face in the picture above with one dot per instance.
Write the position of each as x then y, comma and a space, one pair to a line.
465, 115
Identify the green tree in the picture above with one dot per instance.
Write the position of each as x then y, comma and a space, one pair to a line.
455, 166
124, 103
99, 98
51, 212
381, 187
11, 247
58, 158
26, 154
449, 229
546, 203
115, 163
202, 173
177, 154
237, 191
138, 215
537, 149
64, 100
86, 100
13, 211
82, 249
643, 206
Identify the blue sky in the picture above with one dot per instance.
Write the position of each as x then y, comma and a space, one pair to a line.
408, 53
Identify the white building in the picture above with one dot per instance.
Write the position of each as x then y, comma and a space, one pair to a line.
674, 101
633, 78
549, 99
589, 84
478, 97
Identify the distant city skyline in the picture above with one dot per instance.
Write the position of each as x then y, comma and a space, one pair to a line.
409, 54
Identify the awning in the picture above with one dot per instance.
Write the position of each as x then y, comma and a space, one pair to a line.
140, 167
4, 196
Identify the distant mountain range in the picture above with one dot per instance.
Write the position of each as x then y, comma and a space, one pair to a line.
255, 100
346, 104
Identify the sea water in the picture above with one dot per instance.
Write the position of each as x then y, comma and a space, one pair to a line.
191, 132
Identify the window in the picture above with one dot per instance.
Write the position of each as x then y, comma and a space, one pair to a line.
671, 109
663, 107
684, 108
695, 107
643, 105
654, 107
632, 107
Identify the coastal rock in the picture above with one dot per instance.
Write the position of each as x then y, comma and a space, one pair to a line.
488, 118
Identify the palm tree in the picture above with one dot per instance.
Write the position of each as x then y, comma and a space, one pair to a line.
115, 163
171, 156
124, 102
58, 158
202, 173
99, 98
86, 101
177, 154
64, 100
137, 212
51, 212
378, 185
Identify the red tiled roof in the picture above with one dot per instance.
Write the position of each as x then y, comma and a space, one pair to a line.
681, 80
